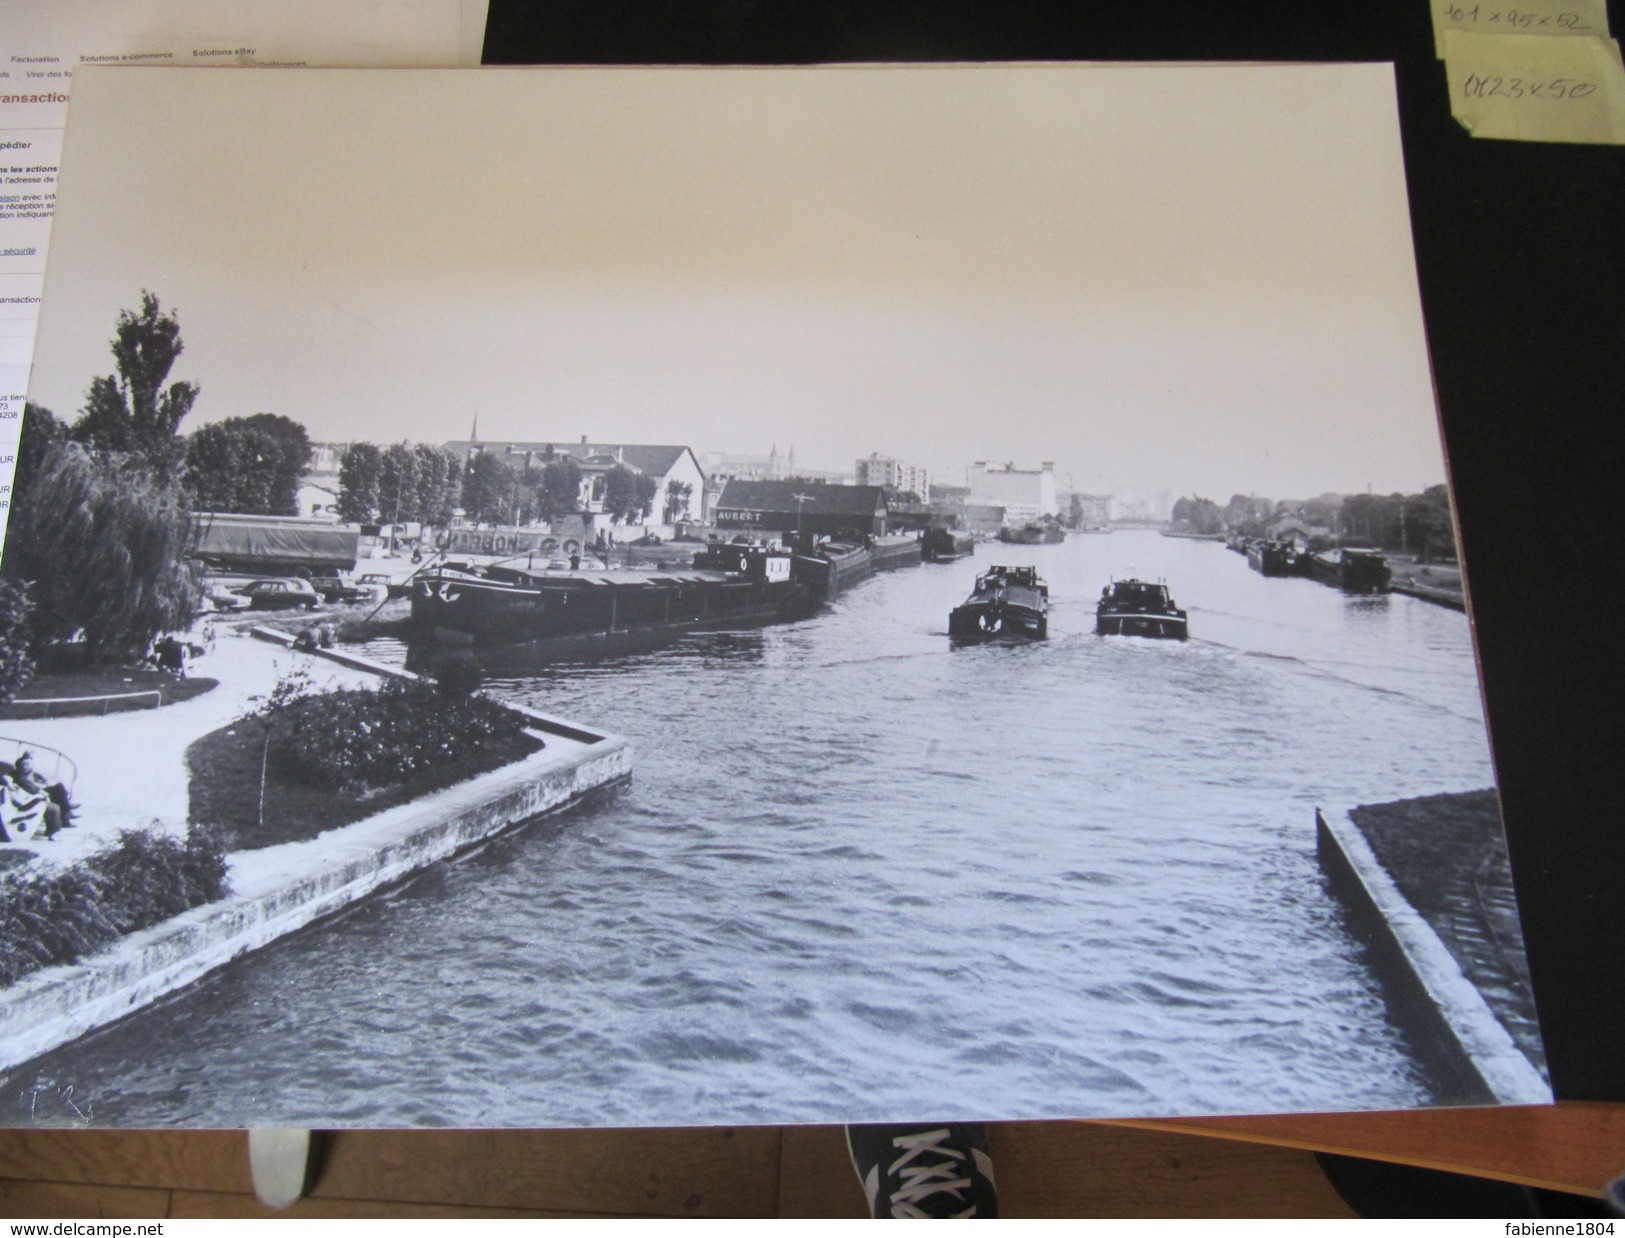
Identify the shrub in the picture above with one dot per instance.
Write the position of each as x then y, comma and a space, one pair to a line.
16, 667
406, 733
142, 880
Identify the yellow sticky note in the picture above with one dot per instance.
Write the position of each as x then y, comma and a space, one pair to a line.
1531, 88
1581, 18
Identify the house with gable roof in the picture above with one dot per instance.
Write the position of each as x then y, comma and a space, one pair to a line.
679, 480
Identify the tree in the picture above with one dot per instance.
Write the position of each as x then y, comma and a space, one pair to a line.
628, 496
248, 464
1431, 530
397, 484
102, 540
1248, 516
645, 490
359, 470
488, 488
677, 496
432, 465
620, 493
451, 492
1198, 515
561, 488
39, 433
16, 666
134, 412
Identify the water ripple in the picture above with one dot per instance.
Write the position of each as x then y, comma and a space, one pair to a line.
859, 874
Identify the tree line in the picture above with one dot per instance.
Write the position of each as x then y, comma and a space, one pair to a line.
1418, 524
101, 509
425, 483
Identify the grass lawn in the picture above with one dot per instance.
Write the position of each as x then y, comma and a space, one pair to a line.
111, 681
223, 784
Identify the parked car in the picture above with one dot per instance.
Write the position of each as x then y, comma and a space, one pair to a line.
390, 586
340, 588
648, 539
283, 593
217, 597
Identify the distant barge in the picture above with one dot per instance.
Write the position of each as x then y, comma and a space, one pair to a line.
828, 569
571, 615
1033, 535
1275, 558
1352, 569
945, 545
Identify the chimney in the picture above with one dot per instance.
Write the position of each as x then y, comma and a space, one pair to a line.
583, 440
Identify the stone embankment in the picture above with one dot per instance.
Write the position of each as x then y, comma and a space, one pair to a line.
1439, 583
1429, 893
278, 890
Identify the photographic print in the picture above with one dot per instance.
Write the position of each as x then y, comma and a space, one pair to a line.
663, 597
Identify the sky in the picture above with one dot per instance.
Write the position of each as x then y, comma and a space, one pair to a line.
1195, 279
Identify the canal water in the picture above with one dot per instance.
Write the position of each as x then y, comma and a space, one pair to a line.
859, 874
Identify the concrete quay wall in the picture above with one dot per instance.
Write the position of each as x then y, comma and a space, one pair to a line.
1451, 1026
279, 890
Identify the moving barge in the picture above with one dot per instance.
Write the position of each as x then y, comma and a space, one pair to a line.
544, 615
1139, 608
1007, 601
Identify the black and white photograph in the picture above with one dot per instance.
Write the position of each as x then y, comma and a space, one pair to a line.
660, 597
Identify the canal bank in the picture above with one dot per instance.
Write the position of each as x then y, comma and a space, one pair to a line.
278, 890
1428, 893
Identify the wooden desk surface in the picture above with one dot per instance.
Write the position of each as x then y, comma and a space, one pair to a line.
1230, 1167
1570, 1146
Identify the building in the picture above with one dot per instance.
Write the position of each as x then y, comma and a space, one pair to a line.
1091, 511
679, 480
1025, 494
802, 506
893, 474
319, 488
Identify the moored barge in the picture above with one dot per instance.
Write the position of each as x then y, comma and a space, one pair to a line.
1139, 608
585, 613
1033, 535
1353, 569
945, 545
826, 569
1269, 558
1007, 601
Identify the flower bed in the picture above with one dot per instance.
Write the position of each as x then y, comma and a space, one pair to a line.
312, 762
62, 915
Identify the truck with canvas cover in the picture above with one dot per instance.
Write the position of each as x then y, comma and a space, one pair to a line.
274, 545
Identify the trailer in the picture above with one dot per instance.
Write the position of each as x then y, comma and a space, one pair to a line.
273, 545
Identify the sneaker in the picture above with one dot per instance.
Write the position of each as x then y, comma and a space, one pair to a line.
924, 1171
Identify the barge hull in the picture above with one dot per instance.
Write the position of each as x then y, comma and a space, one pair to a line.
1141, 625
429, 647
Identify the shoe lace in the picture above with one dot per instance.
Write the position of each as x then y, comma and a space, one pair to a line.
920, 1180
